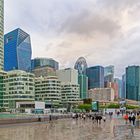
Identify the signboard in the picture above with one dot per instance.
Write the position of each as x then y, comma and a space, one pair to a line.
95, 105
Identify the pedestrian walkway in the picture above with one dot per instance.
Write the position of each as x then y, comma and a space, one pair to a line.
67, 129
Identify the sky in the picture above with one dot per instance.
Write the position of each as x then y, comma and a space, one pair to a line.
105, 32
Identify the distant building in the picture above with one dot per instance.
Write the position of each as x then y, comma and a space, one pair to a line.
109, 74
44, 71
83, 82
48, 89
70, 93
133, 83
1, 33
69, 85
44, 62
68, 75
81, 66
17, 51
115, 87
18, 86
101, 94
123, 86
95, 77
119, 83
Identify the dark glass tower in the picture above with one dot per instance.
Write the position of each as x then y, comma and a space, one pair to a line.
83, 82
133, 83
17, 51
41, 62
95, 77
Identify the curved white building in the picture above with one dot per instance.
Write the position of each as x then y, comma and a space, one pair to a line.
48, 89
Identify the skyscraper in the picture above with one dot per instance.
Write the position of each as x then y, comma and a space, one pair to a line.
123, 86
119, 83
109, 73
1, 33
42, 62
95, 77
17, 51
133, 83
83, 82
81, 65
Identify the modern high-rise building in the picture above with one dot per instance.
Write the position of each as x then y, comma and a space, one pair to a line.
123, 86
119, 83
81, 65
1, 33
95, 77
44, 71
109, 73
17, 51
68, 75
48, 89
83, 82
2, 88
19, 87
41, 62
69, 85
133, 83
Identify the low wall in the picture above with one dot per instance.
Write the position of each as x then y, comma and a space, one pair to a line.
39, 118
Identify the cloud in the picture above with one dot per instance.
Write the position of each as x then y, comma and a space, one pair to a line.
104, 31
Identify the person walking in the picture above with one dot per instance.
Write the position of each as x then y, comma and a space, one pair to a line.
133, 119
84, 116
100, 118
104, 118
126, 118
93, 118
130, 118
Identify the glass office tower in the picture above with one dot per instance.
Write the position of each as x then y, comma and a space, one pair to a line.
109, 73
1, 33
83, 82
41, 62
133, 83
95, 77
17, 51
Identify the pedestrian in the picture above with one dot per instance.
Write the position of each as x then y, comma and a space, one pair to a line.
97, 118
130, 118
93, 118
133, 119
100, 118
104, 118
118, 113
84, 116
39, 118
126, 118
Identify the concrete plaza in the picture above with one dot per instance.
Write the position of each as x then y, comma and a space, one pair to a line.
67, 129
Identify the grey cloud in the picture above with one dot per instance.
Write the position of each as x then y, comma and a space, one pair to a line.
87, 23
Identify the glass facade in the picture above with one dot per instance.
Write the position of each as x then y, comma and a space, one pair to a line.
83, 82
1, 33
95, 77
123, 86
133, 83
119, 83
109, 73
17, 47
41, 62
81, 65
